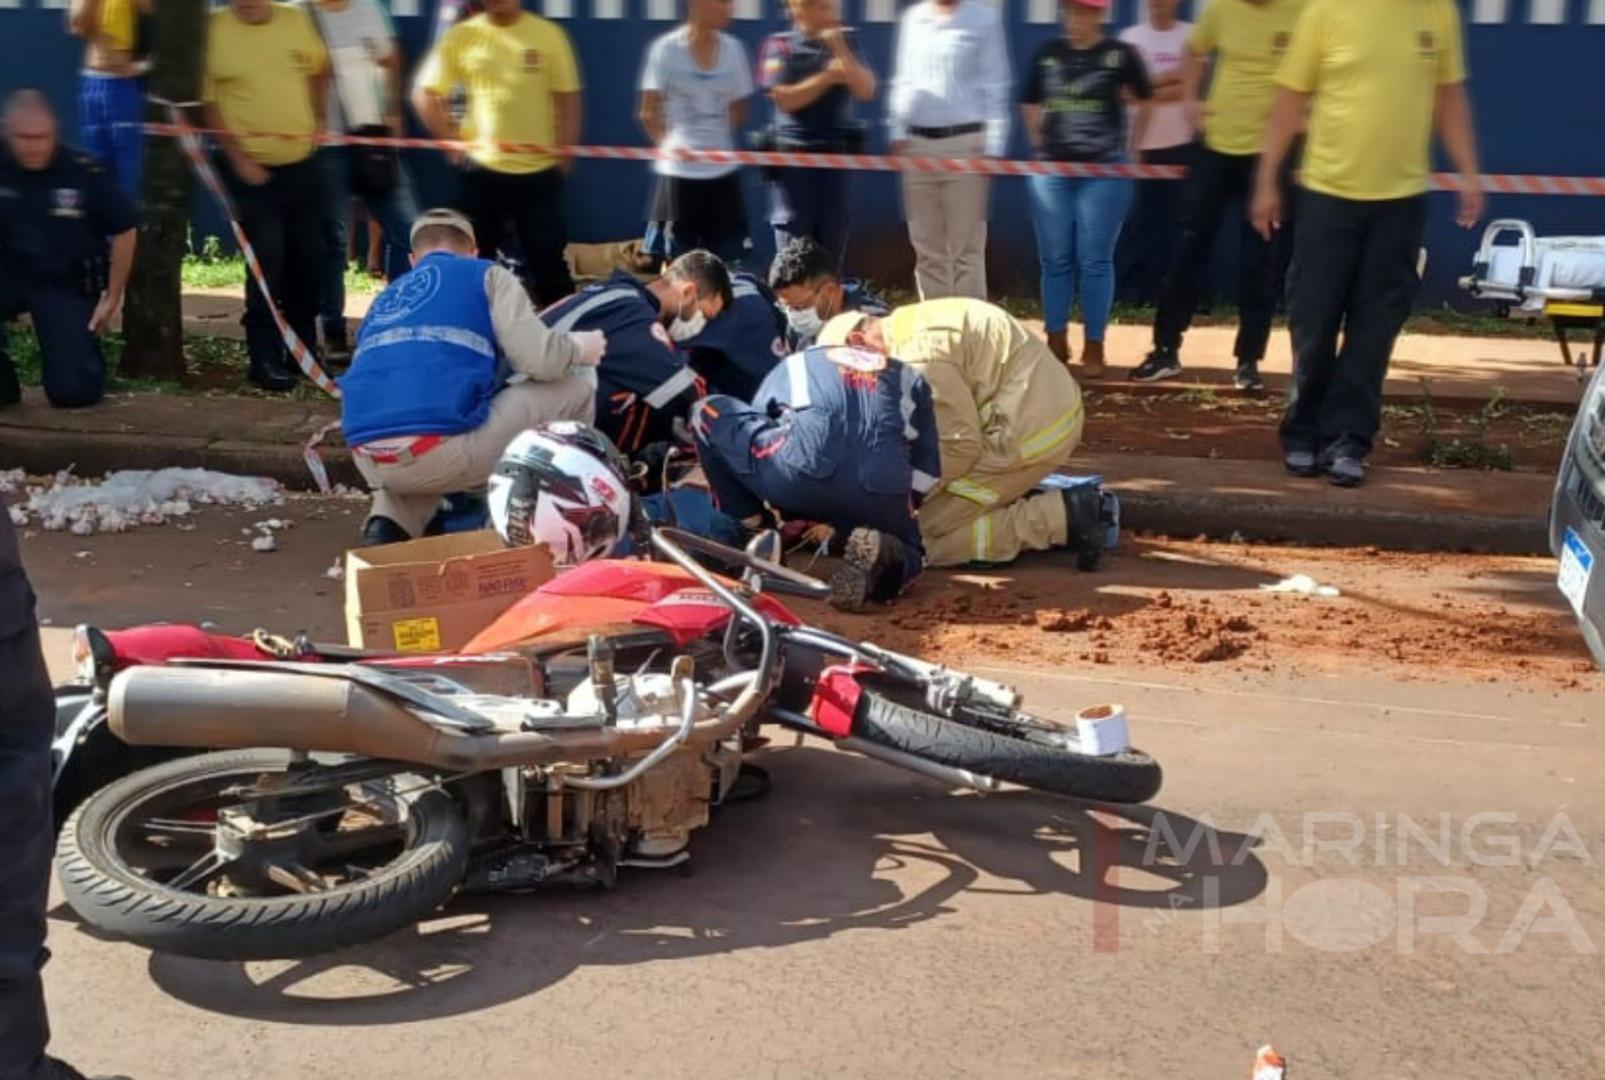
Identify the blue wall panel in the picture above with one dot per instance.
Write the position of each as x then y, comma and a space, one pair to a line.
1537, 90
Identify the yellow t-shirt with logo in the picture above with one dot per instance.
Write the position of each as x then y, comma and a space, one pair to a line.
1248, 41
259, 77
509, 74
1373, 68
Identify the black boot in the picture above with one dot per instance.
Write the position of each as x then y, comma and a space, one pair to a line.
274, 374
1084, 527
379, 530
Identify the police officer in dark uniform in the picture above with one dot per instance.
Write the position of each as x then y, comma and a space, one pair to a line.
66, 247
813, 74
26, 834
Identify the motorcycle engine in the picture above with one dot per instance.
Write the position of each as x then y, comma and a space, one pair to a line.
656, 813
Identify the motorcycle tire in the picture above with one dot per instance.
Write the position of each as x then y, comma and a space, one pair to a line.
103, 888
894, 714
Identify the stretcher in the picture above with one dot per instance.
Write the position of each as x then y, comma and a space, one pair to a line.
1561, 278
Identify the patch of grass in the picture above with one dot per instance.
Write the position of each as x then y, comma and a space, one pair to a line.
211, 268
23, 344
1470, 451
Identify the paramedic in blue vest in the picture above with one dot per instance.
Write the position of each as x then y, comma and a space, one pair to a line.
805, 279
813, 74
644, 383
426, 406
66, 247
741, 346
835, 436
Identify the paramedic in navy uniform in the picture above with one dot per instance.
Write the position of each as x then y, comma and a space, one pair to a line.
813, 74
644, 383
66, 246
743, 343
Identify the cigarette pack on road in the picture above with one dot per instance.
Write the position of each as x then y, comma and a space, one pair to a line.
437, 593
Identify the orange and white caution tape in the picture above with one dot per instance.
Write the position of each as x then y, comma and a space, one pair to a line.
190, 139
1502, 183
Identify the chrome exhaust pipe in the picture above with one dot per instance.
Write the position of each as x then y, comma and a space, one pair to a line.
234, 708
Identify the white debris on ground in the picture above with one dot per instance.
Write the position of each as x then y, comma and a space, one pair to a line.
1303, 585
11, 480
129, 498
267, 531
336, 572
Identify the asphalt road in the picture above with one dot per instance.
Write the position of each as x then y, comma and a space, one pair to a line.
1387, 876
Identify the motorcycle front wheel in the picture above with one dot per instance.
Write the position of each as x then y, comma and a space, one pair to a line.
1005, 745
254, 855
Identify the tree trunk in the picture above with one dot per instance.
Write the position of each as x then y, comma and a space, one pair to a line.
153, 324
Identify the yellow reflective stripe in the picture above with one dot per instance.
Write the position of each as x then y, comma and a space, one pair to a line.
981, 532
1039, 443
975, 493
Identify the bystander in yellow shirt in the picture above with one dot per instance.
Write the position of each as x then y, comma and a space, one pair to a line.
1248, 40
1373, 68
259, 77
509, 74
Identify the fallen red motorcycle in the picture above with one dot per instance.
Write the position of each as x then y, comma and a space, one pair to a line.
593, 728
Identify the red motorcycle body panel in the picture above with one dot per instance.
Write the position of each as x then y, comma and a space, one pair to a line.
836, 697
161, 642
614, 593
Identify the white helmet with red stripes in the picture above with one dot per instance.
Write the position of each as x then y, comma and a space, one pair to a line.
563, 485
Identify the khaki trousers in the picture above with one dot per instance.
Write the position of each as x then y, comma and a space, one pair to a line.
409, 492
998, 517
947, 220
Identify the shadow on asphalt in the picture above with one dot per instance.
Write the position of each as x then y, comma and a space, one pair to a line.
840, 844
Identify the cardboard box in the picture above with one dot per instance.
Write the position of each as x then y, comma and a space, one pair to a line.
435, 594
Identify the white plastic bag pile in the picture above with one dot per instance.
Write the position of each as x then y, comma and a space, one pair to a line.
128, 498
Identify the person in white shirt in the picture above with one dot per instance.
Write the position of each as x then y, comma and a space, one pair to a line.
1149, 239
949, 98
694, 90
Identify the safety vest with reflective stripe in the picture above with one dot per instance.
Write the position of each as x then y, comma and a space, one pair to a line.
425, 362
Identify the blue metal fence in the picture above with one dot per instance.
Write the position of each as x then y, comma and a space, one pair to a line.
1536, 68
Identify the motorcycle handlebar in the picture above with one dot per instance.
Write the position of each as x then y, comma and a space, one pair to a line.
782, 577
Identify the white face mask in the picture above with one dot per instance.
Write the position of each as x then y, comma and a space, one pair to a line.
683, 328
804, 322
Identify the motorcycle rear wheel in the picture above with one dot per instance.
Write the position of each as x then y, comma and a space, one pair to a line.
146, 859
1017, 747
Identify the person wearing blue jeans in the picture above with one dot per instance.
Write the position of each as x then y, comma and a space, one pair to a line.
364, 99
1078, 222
1074, 106
394, 210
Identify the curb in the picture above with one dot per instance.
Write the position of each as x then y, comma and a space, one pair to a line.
1218, 515
45, 452
1248, 517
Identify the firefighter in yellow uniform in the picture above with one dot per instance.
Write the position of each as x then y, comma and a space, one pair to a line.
1007, 412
